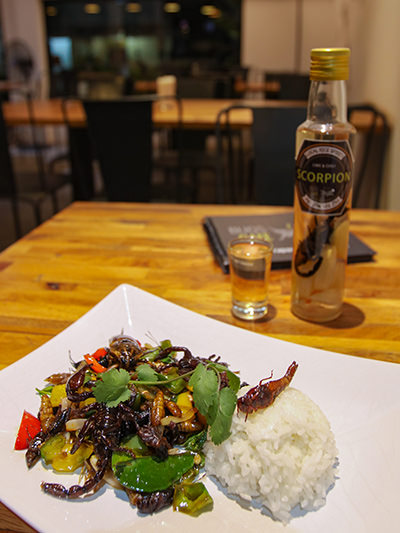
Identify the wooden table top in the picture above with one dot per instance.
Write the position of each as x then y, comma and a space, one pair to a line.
241, 86
196, 113
59, 271
244, 86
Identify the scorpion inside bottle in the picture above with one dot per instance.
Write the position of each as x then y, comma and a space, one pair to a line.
323, 190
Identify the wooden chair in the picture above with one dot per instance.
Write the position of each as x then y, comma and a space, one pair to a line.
370, 154
45, 179
192, 87
274, 143
232, 158
293, 86
122, 138
264, 171
77, 159
9, 187
193, 142
121, 133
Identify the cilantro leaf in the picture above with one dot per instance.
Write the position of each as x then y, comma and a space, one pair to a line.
216, 405
233, 379
220, 428
205, 391
146, 373
112, 388
213, 410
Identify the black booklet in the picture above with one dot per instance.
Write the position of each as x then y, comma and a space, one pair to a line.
277, 228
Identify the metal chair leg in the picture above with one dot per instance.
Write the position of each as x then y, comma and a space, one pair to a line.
37, 213
17, 222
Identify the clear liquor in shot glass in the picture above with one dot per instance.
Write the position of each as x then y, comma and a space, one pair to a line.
250, 266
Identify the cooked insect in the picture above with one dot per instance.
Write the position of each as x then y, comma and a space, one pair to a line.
104, 428
33, 452
263, 394
137, 417
157, 408
308, 257
127, 415
309, 253
46, 415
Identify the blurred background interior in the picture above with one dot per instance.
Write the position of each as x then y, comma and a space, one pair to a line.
233, 50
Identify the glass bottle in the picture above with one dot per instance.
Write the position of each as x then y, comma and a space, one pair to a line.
323, 191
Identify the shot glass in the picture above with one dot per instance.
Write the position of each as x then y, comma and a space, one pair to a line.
250, 267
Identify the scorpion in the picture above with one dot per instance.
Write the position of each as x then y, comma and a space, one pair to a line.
263, 394
106, 427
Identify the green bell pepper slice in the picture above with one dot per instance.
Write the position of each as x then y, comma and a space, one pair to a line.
192, 499
149, 474
57, 453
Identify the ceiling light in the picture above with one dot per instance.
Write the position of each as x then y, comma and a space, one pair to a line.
172, 7
92, 9
133, 7
207, 10
216, 14
51, 11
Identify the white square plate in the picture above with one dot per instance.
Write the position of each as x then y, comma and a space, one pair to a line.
360, 398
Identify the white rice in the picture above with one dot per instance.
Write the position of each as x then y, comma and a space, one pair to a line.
281, 456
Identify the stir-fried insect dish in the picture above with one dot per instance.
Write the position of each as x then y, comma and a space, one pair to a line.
136, 416
153, 420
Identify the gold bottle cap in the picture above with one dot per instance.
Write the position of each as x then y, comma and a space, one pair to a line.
329, 64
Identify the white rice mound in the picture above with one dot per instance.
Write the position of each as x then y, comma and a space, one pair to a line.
281, 456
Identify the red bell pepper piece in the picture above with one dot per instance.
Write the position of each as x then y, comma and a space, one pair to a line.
29, 428
99, 353
93, 363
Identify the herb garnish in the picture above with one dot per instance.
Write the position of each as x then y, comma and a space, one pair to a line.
146, 373
112, 388
215, 403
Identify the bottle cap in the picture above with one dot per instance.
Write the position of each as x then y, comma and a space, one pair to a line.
329, 64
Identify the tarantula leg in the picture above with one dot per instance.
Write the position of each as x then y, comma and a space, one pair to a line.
75, 491
129, 414
33, 452
55, 489
87, 426
120, 449
73, 384
153, 438
59, 422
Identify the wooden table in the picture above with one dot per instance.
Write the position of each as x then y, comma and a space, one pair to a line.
244, 86
196, 113
55, 274
240, 86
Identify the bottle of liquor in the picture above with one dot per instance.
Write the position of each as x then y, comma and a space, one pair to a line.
323, 190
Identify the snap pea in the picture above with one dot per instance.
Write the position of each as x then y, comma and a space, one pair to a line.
149, 474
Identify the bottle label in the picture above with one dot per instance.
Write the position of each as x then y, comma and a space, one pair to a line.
324, 176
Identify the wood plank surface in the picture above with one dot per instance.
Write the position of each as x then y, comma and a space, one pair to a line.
196, 113
59, 271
